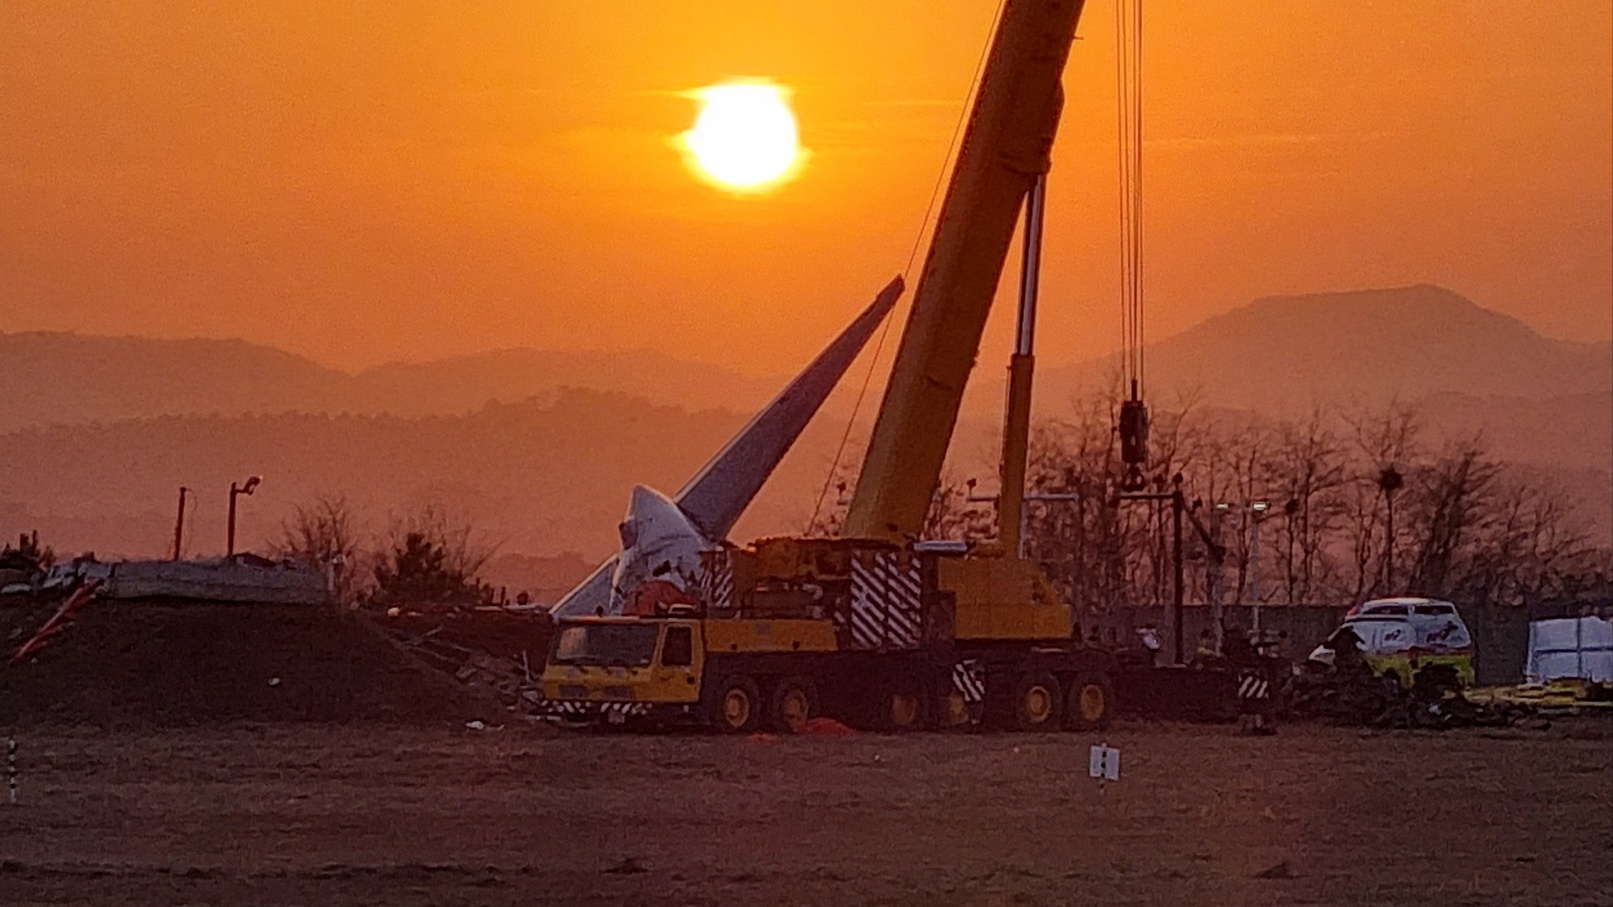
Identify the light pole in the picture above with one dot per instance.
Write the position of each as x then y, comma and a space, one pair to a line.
1218, 556
1259, 509
248, 487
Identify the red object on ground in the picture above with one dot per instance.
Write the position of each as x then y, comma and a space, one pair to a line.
826, 727
654, 597
58, 621
762, 738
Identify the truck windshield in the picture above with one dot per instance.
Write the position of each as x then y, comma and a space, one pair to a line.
611, 645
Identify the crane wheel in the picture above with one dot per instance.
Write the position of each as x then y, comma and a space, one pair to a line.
902, 707
1038, 702
737, 706
794, 703
1090, 703
953, 712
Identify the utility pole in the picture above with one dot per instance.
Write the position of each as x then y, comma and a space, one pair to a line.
248, 487
179, 525
1179, 590
1218, 557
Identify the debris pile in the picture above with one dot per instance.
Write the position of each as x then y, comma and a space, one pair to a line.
169, 662
1361, 699
497, 650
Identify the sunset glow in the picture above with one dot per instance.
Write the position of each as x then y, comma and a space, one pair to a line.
745, 138
364, 184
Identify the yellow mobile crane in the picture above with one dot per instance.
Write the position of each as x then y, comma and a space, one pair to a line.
879, 627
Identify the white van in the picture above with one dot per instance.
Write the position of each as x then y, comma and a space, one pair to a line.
1402, 637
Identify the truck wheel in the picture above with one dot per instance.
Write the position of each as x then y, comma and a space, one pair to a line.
1037, 702
1090, 703
901, 706
795, 702
1389, 681
737, 706
953, 712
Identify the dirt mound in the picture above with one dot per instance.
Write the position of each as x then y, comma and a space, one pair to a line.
187, 663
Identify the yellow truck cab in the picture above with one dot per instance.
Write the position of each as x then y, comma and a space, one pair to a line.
621, 668
614, 666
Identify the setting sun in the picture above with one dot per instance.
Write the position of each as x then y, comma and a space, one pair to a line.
745, 138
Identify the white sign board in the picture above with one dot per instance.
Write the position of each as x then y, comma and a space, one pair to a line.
1104, 763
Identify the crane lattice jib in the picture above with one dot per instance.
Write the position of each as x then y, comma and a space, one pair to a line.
1006, 145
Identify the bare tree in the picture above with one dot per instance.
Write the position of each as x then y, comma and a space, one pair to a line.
1383, 440
1309, 462
324, 534
1530, 544
1450, 497
1465, 526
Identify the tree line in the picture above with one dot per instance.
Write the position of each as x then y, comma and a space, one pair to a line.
1357, 505
422, 558
1329, 508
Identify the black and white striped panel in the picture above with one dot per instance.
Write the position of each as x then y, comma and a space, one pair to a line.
969, 678
885, 602
717, 580
573, 708
1252, 685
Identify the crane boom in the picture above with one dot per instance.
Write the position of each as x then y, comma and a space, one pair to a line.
1006, 146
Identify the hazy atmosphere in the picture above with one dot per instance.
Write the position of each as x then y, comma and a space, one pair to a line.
407, 181
741, 453
415, 182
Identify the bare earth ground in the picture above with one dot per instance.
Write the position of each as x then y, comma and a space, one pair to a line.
332, 814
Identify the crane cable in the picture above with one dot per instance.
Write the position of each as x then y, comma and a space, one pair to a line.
1129, 125
925, 225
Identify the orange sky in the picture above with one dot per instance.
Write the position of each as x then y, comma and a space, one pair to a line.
362, 182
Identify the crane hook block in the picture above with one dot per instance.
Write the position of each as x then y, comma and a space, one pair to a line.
1133, 433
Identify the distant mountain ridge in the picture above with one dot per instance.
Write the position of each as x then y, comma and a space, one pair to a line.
66, 378
1283, 353
1275, 354
463, 384
543, 447
539, 477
